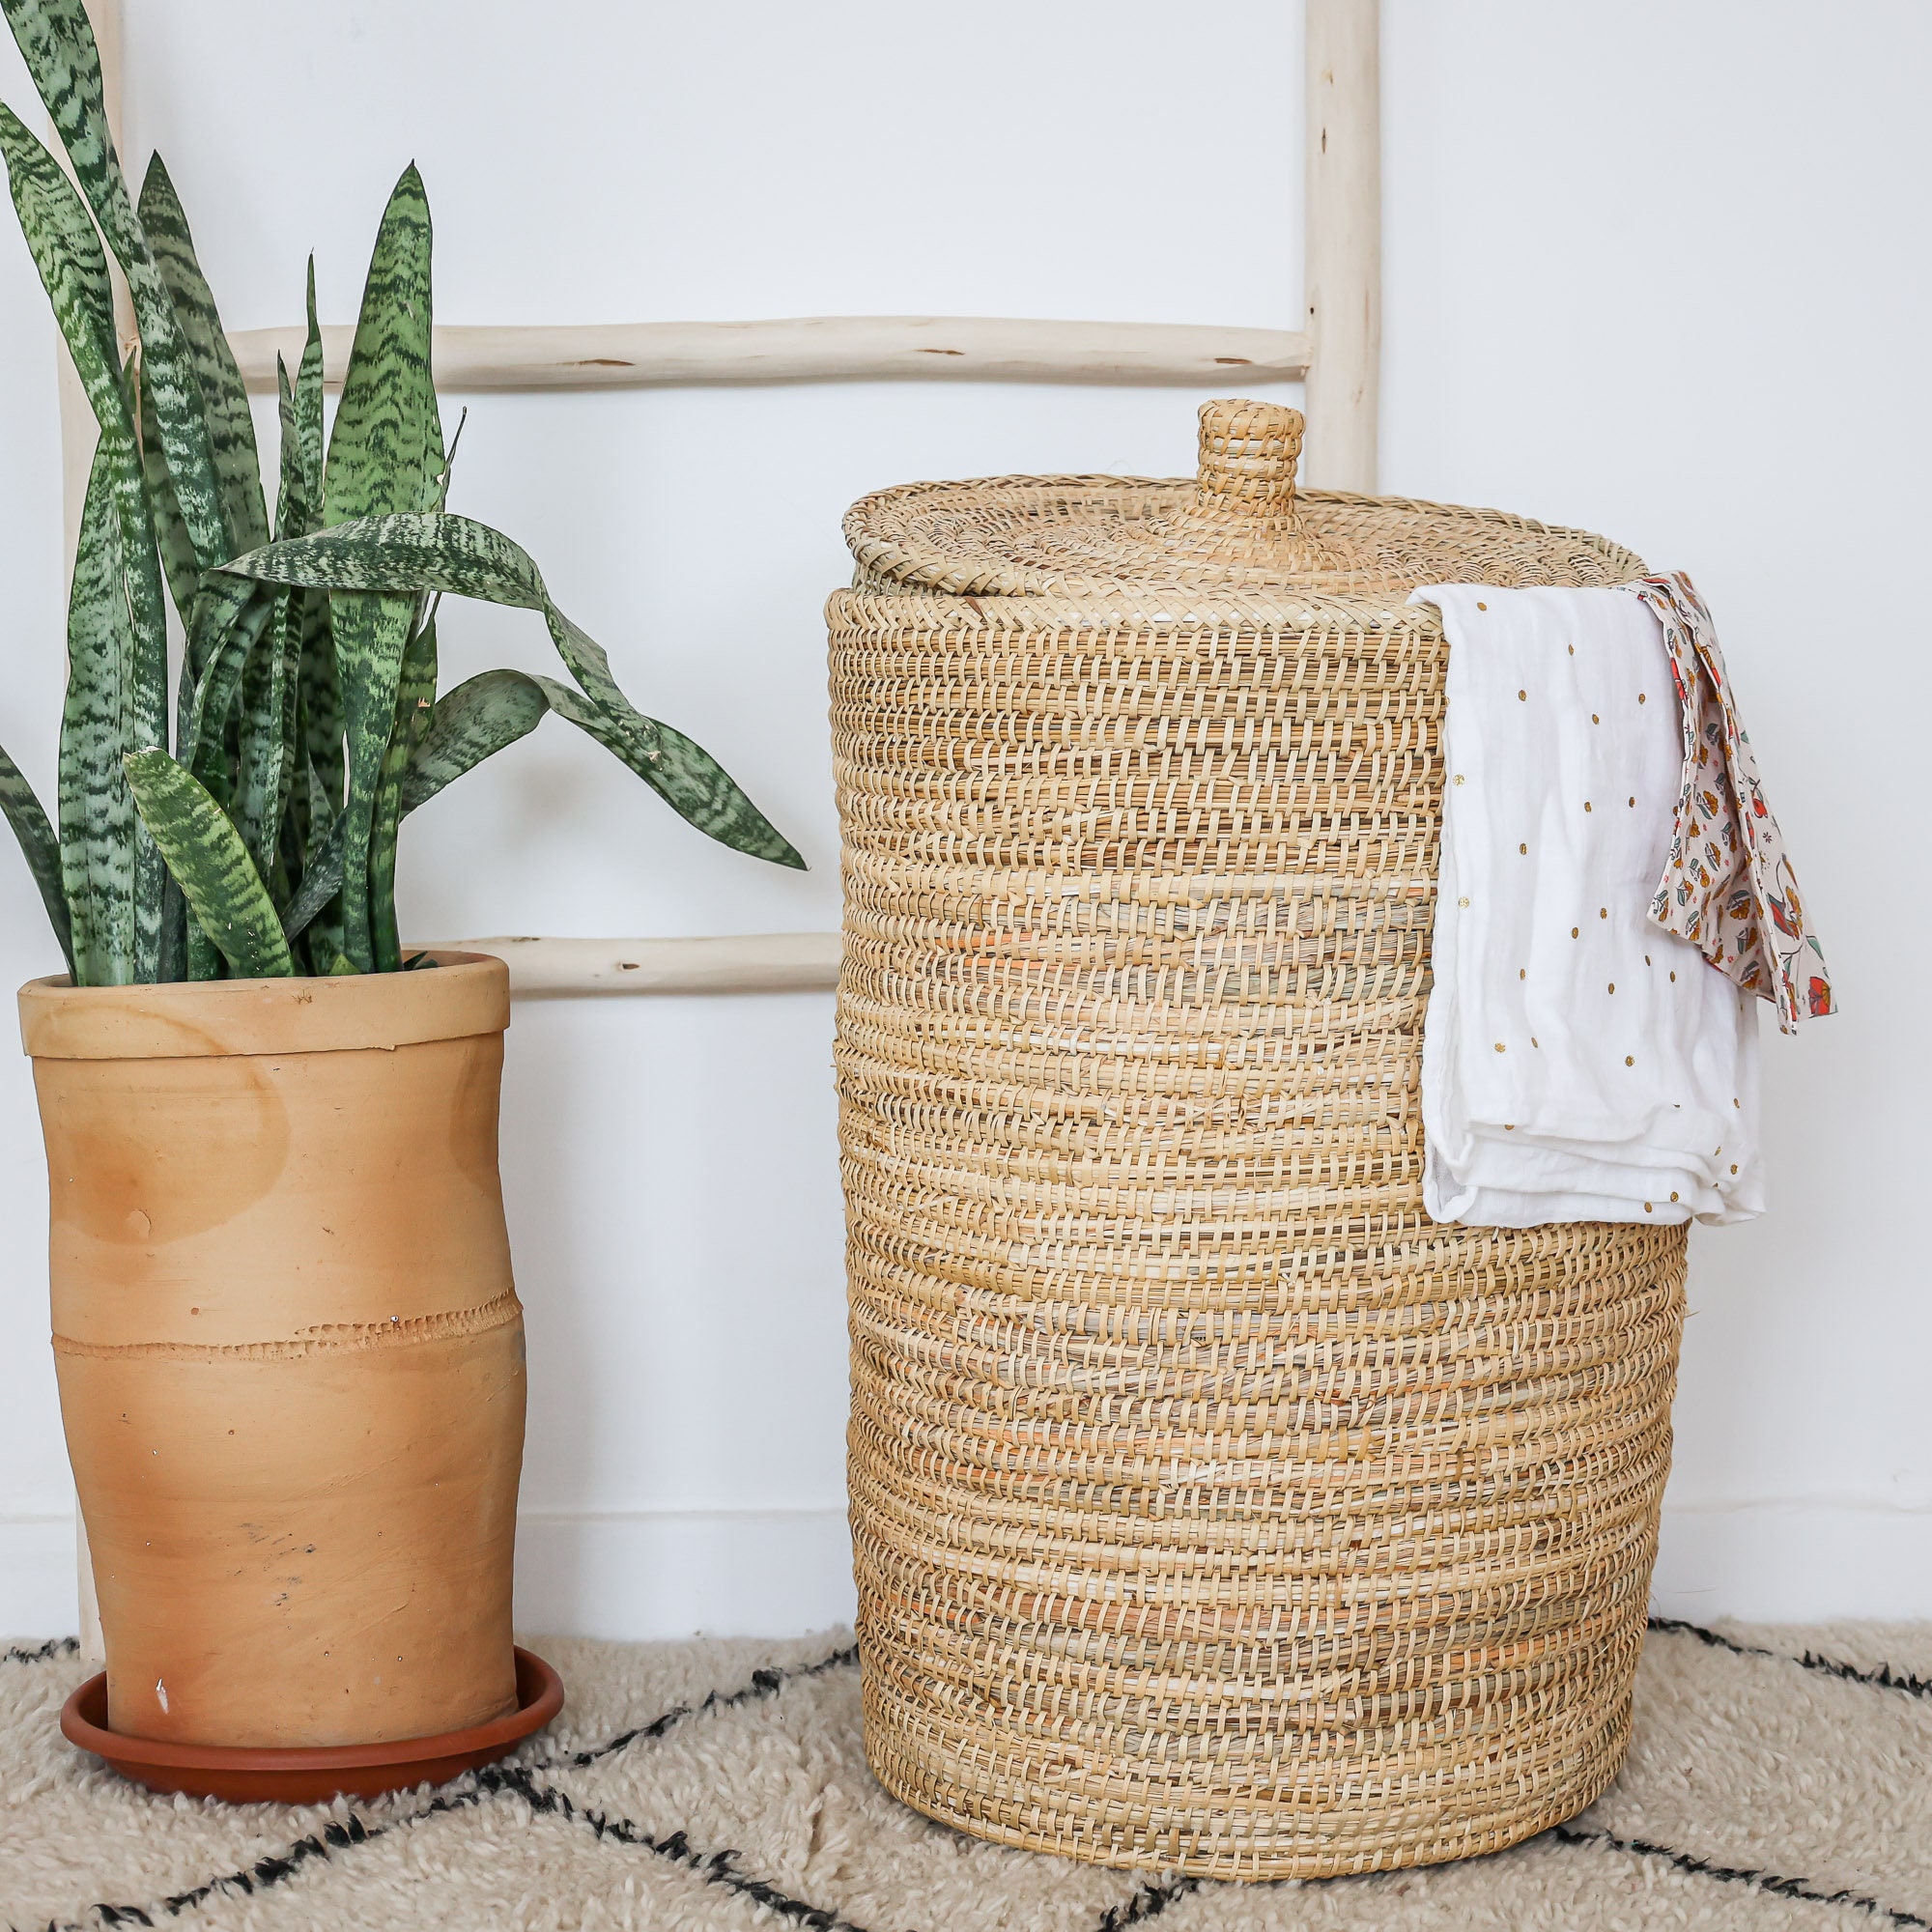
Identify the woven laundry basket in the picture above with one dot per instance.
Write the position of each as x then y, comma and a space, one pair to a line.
1213, 1510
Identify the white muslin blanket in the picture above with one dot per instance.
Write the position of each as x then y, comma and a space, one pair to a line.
1579, 1063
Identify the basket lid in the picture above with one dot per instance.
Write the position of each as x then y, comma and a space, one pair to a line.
1238, 527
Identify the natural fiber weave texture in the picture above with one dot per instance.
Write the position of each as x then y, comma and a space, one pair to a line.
1213, 1509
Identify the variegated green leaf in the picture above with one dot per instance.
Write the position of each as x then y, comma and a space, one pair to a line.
210, 735
321, 882
57, 44
385, 451
287, 623
448, 553
449, 462
686, 777
67, 252
96, 811
385, 454
473, 722
206, 855
483, 715
321, 698
205, 958
231, 426
319, 689
369, 634
440, 551
469, 559
230, 628
416, 709
415, 703
308, 416
296, 508
173, 928
40, 850
183, 573
74, 271
266, 737
288, 482
263, 737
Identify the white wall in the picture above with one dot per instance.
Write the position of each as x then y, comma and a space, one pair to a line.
1655, 266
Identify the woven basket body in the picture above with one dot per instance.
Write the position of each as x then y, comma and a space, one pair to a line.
1214, 1509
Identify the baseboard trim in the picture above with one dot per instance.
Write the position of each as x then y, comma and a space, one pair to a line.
1794, 1560
38, 1596
668, 1572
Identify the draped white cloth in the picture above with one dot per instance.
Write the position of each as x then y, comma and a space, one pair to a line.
1579, 1063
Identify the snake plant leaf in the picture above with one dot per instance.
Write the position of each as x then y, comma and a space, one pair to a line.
469, 559
144, 690
208, 724
57, 44
319, 689
41, 849
450, 553
232, 627
72, 266
174, 929
440, 551
207, 857
73, 269
266, 738
370, 634
478, 720
67, 252
321, 698
287, 625
288, 481
231, 425
321, 809
473, 722
205, 958
686, 777
178, 561
320, 883
263, 735
308, 415
415, 705
385, 453
96, 810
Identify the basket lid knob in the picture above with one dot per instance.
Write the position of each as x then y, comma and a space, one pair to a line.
1248, 456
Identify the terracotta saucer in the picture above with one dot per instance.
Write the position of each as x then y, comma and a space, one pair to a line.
308, 1776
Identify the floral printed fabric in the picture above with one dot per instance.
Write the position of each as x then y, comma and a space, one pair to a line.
1728, 884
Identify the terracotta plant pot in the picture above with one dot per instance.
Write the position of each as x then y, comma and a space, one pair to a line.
291, 1356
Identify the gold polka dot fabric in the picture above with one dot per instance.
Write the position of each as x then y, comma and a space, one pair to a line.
1580, 1063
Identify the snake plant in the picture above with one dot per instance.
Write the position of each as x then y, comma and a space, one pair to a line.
250, 826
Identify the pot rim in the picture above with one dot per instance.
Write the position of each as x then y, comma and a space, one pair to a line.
467, 993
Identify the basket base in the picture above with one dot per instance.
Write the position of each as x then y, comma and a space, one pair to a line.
246, 1775
1235, 1858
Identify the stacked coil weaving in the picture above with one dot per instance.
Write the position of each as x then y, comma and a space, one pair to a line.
1214, 1509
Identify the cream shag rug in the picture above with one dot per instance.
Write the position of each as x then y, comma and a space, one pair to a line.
1781, 1777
